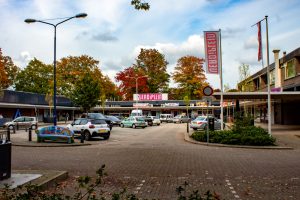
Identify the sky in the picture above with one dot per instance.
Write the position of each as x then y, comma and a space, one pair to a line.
114, 32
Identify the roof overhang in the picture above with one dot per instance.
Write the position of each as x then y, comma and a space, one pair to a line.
258, 95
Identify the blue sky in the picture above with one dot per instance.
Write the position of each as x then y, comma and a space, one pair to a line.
114, 32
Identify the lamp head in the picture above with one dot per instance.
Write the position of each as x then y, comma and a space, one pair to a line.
30, 21
81, 15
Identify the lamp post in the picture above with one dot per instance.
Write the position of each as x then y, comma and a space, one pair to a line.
81, 15
136, 87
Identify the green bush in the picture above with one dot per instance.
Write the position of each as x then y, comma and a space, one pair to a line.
249, 135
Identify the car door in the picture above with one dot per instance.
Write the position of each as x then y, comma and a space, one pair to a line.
127, 121
76, 126
20, 121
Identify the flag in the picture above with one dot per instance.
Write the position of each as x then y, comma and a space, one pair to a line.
259, 56
212, 51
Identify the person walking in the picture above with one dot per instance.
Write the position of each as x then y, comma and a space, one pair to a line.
67, 117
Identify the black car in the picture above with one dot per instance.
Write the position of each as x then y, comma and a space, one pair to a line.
97, 116
115, 121
149, 121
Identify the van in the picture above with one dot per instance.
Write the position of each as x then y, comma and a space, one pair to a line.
136, 113
166, 118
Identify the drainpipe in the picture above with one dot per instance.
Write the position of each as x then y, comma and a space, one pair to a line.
278, 79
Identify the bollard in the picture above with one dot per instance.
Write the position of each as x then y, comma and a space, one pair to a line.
29, 135
17, 126
8, 134
14, 129
82, 136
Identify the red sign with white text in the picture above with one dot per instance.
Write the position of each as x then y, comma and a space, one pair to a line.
150, 96
211, 42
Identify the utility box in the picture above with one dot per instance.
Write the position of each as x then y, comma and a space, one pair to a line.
211, 124
5, 160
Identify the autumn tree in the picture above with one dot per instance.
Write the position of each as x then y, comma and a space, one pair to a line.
154, 65
86, 92
8, 71
127, 81
36, 77
190, 77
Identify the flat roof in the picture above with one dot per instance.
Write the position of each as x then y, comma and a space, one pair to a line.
258, 95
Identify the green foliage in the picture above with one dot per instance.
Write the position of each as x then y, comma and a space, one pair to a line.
243, 132
86, 92
8, 71
36, 77
138, 5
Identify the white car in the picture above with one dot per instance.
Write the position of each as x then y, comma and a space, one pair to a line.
201, 123
156, 120
90, 128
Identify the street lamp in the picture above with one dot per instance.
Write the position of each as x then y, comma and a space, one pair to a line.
81, 15
136, 86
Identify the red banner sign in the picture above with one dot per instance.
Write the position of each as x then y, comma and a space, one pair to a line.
211, 42
150, 96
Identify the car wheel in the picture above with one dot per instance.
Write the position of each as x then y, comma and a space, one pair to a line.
194, 129
11, 127
87, 135
158, 124
122, 125
33, 127
133, 126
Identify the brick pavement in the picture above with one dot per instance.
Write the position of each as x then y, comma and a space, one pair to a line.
152, 162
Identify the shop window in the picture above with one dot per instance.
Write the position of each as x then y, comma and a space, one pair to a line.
290, 69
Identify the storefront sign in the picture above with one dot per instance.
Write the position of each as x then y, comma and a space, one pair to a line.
150, 96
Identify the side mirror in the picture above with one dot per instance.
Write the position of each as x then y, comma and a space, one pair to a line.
72, 124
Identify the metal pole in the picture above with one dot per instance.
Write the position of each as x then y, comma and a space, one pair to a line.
54, 80
268, 78
207, 133
136, 91
221, 82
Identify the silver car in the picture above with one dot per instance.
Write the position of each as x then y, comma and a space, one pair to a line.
201, 123
181, 119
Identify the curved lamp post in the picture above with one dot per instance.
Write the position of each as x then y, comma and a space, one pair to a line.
136, 86
81, 15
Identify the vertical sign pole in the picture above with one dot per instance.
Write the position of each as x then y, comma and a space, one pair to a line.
268, 78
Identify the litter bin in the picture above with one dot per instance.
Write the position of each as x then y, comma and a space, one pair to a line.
211, 124
5, 160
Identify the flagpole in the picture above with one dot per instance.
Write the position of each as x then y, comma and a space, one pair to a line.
268, 77
221, 80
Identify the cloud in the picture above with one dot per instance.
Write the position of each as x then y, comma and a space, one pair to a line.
104, 37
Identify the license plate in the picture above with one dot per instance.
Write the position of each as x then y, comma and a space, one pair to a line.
102, 131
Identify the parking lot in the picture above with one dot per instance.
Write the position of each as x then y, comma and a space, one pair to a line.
154, 161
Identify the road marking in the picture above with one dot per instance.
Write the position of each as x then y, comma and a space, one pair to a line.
139, 186
232, 189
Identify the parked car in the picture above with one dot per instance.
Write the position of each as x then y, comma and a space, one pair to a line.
23, 121
90, 127
156, 120
114, 120
97, 116
201, 123
149, 121
166, 118
134, 121
181, 119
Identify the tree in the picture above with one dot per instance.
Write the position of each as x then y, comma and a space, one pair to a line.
154, 65
8, 71
86, 93
245, 84
36, 77
189, 74
127, 85
138, 5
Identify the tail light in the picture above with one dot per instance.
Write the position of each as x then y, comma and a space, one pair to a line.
199, 122
91, 126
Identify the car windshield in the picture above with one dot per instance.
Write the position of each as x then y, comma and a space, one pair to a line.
113, 118
96, 116
201, 118
141, 119
98, 121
